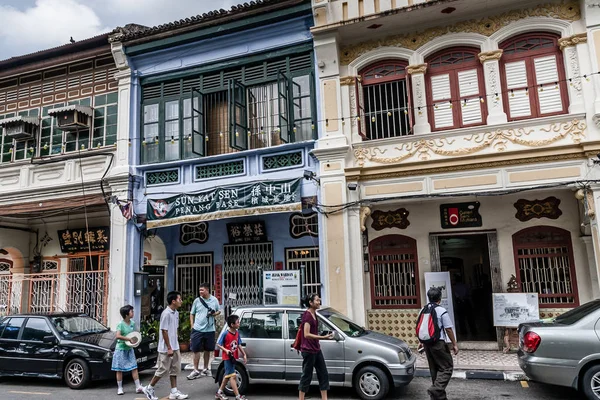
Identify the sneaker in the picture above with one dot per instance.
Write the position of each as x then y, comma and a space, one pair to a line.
140, 389
177, 396
206, 372
149, 392
120, 391
240, 397
221, 396
195, 374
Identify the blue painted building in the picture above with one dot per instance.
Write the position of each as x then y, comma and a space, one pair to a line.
222, 120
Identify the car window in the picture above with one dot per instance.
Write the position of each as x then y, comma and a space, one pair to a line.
570, 317
294, 320
11, 330
265, 325
36, 329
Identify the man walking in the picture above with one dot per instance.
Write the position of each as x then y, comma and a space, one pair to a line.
169, 358
436, 349
202, 318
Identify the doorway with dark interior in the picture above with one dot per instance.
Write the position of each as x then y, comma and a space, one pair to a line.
467, 259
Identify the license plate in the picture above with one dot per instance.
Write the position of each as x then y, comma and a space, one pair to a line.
142, 359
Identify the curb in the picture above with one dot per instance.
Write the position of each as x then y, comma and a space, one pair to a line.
478, 374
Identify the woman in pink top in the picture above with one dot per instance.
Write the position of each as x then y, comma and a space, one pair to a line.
312, 357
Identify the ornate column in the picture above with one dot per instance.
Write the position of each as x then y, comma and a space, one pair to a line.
568, 46
123, 157
417, 78
491, 72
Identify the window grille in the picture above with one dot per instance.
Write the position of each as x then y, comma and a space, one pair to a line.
5, 267
282, 161
221, 169
306, 260
394, 272
544, 265
162, 177
191, 271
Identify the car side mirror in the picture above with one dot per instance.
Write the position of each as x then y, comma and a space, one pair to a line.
50, 339
336, 336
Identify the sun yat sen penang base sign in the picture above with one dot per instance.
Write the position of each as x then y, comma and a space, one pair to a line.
223, 202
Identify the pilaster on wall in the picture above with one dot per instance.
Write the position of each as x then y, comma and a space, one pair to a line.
590, 199
417, 78
123, 76
491, 71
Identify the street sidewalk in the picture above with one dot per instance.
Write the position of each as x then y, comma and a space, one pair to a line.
469, 364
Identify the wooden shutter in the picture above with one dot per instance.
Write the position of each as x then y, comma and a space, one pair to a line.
283, 88
198, 131
238, 119
516, 83
468, 86
360, 105
441, 95
546, 74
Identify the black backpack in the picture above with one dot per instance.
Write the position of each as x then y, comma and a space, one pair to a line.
428, 329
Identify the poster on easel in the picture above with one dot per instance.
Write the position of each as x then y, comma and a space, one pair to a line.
281, 287
441, 280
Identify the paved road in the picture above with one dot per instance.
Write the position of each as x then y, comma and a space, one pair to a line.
204, 389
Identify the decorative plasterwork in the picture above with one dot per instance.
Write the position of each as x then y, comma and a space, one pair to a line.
530, 209
364, 213
490, 55
416, 69
348, 80
498, 140
568, 11
572, 40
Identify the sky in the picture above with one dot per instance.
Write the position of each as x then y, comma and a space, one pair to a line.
27, 26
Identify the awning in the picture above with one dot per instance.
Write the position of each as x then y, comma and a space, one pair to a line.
74, 107
28, 120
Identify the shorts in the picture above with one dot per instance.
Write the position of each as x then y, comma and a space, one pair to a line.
202, 341
166, 364
229, 369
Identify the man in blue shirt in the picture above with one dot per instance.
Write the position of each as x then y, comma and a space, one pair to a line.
202, 319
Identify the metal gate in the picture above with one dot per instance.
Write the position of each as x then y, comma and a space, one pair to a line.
87, 285
192, 271
305, 259
243, 265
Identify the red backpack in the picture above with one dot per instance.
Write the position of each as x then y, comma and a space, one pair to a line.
428, 329
297, 345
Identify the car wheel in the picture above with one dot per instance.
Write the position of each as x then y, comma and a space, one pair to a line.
591, 383
77, 373
371, 383
241, 378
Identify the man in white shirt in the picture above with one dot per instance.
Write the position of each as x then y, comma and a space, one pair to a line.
169, 358
438, 354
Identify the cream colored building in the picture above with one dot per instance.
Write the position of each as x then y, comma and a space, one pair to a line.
432, 111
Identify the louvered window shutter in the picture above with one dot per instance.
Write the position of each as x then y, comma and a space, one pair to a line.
468, 85
441, 95
516, 83
546, 74
360, 104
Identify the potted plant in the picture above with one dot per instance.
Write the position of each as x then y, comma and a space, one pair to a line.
149, 329
185, 329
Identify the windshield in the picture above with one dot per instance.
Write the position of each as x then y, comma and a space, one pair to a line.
570, 317
342, 322
77, 325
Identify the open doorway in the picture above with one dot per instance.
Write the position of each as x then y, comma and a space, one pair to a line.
467, 258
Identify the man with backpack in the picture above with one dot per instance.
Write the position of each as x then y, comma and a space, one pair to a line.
435, 331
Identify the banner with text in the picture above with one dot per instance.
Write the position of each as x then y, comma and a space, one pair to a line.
223, 202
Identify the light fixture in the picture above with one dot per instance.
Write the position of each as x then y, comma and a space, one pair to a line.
353, 186
310, 175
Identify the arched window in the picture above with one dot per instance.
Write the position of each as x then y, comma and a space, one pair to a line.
5, 266
394, 272
384, 101
455, 88
533, 76
544, 264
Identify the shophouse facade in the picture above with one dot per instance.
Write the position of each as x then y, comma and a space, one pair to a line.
460, 136
58, 137
223, 118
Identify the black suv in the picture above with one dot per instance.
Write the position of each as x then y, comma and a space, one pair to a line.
66, 345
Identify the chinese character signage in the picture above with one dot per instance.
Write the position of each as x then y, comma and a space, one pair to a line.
223, 202
247, 232
77, 240
460, 215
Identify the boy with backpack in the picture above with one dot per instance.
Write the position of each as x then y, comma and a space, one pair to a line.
434, 330
230, 343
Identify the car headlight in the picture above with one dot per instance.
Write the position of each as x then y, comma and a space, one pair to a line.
108, 355
402, 357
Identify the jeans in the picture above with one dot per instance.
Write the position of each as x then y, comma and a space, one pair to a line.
316, 361
441, 366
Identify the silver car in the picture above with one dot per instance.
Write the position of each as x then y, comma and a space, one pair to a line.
564, 351
368, 361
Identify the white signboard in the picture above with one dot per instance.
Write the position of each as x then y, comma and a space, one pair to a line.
511, 309
281, 287
442, 281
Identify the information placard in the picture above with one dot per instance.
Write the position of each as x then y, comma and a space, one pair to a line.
511, 309
281, 287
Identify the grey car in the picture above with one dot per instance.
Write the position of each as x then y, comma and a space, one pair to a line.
368, 361
564, 351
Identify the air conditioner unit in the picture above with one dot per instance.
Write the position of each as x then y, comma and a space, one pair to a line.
72, 118
20, 128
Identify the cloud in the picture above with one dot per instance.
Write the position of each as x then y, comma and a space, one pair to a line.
46, 24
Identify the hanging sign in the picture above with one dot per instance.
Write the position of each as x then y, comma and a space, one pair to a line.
281, 287
460, 215
223, 202
78, 240
247, 232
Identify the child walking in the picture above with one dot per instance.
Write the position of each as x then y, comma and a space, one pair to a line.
124, 356
229, 343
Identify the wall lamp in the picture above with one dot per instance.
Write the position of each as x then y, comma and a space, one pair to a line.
353, 186
309, 175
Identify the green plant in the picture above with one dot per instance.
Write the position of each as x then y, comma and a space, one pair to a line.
185, 328
149, 329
